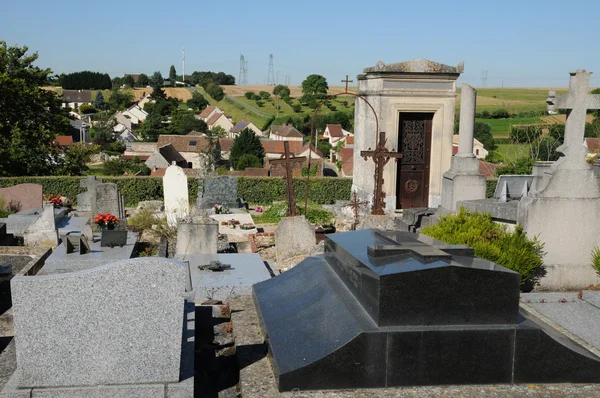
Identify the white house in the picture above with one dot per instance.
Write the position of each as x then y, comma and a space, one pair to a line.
314, 153
334, 133
241, 125
285, 133
219, 119
208, 112
75, 98
478, 150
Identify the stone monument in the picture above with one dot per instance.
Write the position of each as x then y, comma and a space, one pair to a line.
414, 102
563, 213
85, 199
464, 181
42, 232
118, 330
386, 309
221, 190
175, 187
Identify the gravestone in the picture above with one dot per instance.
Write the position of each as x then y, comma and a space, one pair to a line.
197, 236
294, 237
85, 199
108, 200
407, 310
115, 330
221, 190
42, 232
515, 186
564, 213
175, 187
27, 196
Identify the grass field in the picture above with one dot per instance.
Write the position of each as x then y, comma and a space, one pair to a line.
511, 152
501, 127
513, 99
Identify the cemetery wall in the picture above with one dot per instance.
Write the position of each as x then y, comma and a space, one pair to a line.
252, 189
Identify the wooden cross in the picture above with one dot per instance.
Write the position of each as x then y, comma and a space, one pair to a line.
347, 81
577, 101
355, 205
381, 156
291, 198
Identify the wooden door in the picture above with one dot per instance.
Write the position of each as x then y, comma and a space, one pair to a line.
414, 142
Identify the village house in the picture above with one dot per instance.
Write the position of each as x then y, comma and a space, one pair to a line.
221, 120
208, 112
478, 150
165, 156
189, 146
75, 98
334, 133
64, 140
127, 122
241, 125
141, 150
285, 133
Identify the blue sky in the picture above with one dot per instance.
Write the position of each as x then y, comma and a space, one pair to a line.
527, 43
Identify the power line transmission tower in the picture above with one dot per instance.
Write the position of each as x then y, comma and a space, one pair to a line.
243, 79
271, 75
484, 77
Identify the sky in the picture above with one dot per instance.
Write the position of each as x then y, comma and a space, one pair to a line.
520, 43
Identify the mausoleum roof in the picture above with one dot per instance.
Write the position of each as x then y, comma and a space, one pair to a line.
418, 65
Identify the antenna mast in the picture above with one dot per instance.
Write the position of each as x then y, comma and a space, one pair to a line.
271, 75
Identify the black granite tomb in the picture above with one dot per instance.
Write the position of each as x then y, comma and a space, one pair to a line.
387, 308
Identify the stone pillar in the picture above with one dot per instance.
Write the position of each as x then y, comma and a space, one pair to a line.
464, 181
468, 99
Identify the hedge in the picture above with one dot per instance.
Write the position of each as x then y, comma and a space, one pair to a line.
490, 188
262, 190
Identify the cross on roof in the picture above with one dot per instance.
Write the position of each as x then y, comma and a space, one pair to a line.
381, 156
347, 81
291, 198
577, 101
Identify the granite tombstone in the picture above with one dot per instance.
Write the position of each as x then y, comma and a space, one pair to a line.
222, 190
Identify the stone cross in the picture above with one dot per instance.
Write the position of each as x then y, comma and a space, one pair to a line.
577, 101
347, 81
423, 252
355, 205
291, 198
381, 156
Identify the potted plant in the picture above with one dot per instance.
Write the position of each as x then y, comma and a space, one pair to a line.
110, 236
220, 209
58, 201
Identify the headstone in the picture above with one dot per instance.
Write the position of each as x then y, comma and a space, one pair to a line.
563, 214
407, 310
43, 231
222, 190
115, 330
197, 236
464, 180
515, 185
175, 187
108, 200
294, 237
85, 199
26, 196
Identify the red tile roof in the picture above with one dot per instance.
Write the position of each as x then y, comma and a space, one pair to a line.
183, 143
335, 130
225, 144
350, 140
488, 169
346, 154
272, 146
64, 140
286, 131
299, 151
207, 111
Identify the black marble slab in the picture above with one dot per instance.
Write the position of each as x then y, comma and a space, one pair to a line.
422, 283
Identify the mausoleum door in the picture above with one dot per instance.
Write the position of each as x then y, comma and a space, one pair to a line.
414, 142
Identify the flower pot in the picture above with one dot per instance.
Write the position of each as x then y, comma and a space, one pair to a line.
112, 238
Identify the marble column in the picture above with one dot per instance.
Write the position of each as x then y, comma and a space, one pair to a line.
466, 132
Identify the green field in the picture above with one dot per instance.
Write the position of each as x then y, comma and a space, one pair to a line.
501, 127
512, 152
515, 100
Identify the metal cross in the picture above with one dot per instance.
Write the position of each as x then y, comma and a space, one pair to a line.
381, 156
577, 101
347, 81
355, 205
291, 198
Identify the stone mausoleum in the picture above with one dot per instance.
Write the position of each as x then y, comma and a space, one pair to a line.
414, 102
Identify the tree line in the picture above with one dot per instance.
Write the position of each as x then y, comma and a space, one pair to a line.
85, 80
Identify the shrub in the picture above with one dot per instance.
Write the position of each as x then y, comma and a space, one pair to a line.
248, 160
315, 214
523, 165
264, 95
513, 250
142, 220
222, 171
500, 114
485, 115
524, 134
87, 109
596, 258
490, 188
297, 108
249, 94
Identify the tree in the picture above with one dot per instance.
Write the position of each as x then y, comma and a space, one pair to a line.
153, 126
281, 91
172, 75
215, 91
197, 101
324, 147
86, 80
74, 158
483, 133
102, 132
246, 142
249, 94
143, 80
156, 79
30, 117
264, 95
158, 93
99, 101
218, 131
315, 85
248, 160
119, 100
128, 81
183, 123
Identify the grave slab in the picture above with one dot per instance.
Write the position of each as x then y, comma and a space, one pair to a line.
246, 270
242, 217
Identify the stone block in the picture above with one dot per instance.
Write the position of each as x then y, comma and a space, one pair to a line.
42, 232
197, 237
463, 181
500, 211
294, 237
116, 324
371, 221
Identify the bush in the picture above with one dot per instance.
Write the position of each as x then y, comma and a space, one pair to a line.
523, 165
260, 103
490, 188
87, 109
249, 94
264, 95
494, 157
524, 134
322, 190
248, 160
483, 132
222, 171
142, 220
500, 114
485, 115
297, 108
315, 214
513, 250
